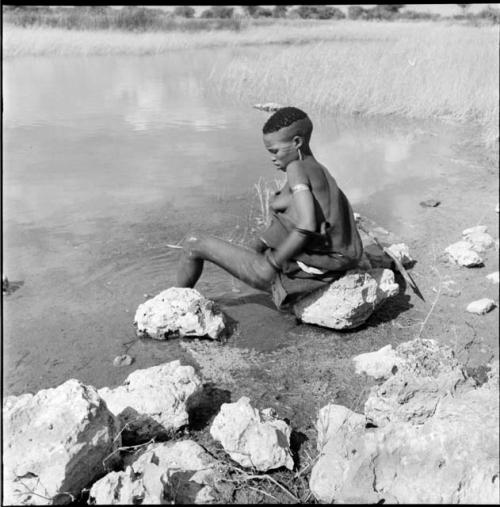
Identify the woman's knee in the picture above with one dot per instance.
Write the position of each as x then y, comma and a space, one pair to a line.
193, 244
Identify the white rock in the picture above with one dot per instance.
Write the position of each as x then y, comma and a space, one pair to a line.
179, 312
450, 457
349, 301
481, 306
462, 253
379, 364
497, 208
479, 238
401, 252
174, 472
250, 440
152, 401
55, 442
493, 277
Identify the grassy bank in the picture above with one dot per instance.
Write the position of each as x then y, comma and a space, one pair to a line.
418, 70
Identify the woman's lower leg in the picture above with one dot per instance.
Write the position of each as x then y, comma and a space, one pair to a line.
235, 259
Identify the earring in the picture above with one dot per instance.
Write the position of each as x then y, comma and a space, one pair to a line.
300, 154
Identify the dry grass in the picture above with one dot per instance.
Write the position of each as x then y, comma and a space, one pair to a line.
38, 41
426, 70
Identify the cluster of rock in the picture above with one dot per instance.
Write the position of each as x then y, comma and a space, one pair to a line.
65, 439
466, 253
429, 434
435, 438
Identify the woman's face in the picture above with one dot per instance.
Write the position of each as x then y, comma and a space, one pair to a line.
282, 149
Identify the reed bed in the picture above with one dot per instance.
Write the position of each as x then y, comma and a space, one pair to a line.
417, 71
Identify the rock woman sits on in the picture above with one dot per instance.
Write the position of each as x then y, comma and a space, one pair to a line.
312, 239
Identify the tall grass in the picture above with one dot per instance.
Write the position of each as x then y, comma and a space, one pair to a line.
417, 71
39, 40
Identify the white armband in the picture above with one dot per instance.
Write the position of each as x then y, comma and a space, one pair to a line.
299, 188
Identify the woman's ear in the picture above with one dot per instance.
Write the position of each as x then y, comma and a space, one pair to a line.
298, 141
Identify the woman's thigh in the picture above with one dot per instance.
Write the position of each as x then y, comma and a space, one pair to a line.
239, 261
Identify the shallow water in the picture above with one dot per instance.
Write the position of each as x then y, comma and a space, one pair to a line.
106, 159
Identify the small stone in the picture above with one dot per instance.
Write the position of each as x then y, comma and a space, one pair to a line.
124, 360
493, 277
481, 306
5, 283
497, 208
430, 203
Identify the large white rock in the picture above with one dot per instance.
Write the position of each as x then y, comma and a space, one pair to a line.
379, 364
173, 472
426, 372
478, 237
450, 457
481, 306
493, 277
349, 301
463, 254
252, 439
152, 402
179, 312
54, 442
402, 252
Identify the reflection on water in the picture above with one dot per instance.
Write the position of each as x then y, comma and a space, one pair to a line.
106, 159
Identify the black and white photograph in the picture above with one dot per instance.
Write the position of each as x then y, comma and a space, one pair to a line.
250, 254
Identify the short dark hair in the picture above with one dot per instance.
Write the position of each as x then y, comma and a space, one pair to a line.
283, 117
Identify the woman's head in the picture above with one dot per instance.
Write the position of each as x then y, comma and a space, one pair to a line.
286, 135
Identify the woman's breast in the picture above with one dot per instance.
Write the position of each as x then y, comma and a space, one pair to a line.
281, 201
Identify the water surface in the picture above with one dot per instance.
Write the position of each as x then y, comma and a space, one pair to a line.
106, 159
